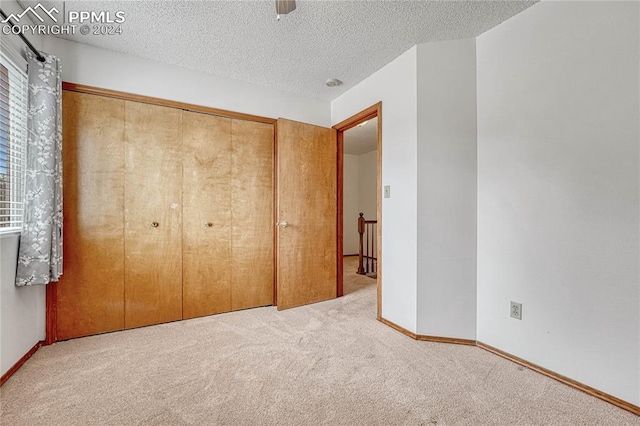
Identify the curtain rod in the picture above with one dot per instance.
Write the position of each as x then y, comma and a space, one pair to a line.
27, 42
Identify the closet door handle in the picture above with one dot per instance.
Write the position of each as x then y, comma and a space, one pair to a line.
282, 224
208, 224
155, 224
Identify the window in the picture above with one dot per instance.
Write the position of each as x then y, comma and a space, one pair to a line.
13, 141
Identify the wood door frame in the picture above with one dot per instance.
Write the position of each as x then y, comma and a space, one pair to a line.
374, 111
91, 90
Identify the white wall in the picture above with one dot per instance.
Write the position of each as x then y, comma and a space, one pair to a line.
395, 86
447, 189
22, 309
429, 160
350, 205
84, 64
558, 190
360, 180
367, 182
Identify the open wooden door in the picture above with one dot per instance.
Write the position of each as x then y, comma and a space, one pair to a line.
307, 220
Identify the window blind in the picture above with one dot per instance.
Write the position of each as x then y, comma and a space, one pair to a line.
13, 141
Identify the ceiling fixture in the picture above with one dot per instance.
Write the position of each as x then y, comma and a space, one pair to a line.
363, 123
333, 82
284, 6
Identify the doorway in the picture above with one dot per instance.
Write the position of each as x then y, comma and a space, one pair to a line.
360, 177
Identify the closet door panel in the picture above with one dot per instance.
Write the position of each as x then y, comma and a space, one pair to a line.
207, 214
91, 291
153, 214
252, 211
307, 200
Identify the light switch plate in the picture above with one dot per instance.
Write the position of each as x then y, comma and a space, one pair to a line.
387, 191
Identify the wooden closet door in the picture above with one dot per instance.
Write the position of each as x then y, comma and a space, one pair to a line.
307, 202
252, 214
90, 293
207, 214
153, 214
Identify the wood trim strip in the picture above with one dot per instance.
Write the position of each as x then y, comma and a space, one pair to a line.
20, 362
450, 340
51, 314
372, 112
164, 102
276, 212
425, 338
378, 107
396, 327
340, 215
563, 379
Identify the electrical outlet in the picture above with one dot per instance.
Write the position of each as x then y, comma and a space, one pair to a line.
516, 310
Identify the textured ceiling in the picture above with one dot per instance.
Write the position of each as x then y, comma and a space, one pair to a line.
347, 40
361, 139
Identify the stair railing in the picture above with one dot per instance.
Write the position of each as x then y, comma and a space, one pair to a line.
367, 257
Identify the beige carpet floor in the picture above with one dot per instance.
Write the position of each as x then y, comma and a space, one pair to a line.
328, 363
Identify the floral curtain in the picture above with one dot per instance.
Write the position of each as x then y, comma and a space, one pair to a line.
40, 256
